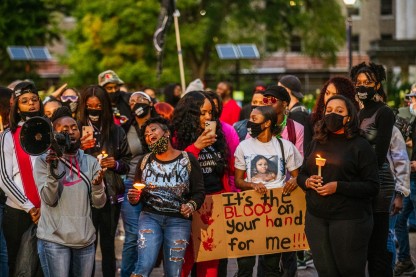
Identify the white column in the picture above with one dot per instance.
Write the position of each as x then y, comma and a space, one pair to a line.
410, 19
400, 19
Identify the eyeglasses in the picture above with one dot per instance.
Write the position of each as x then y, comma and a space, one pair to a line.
72, 98
366, 83
138, 100
270, 100
26, 100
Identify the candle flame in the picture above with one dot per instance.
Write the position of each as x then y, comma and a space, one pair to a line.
103, 152
319, 156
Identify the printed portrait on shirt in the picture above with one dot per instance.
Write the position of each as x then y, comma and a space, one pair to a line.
263, 169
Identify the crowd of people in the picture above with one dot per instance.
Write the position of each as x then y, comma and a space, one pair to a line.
153, 162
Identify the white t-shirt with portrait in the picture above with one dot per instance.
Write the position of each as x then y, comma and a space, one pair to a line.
263, 162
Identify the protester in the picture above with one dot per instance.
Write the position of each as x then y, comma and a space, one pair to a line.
297, 111
95, 111
172, 93
65, 231
377, 120
119, 99
246, 110
231, 110
165, 110
241, 126
50, 106
70, 98
404, 262
16, 171
263, 128
142, 107
5, 95
188, 124
168, 203
335, 86
338, 203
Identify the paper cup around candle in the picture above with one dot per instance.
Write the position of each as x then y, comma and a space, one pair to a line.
139, 186
320, 161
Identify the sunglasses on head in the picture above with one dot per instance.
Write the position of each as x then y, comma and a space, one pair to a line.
72, 98
270, 100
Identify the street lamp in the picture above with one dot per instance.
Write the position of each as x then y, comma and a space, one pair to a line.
349, 3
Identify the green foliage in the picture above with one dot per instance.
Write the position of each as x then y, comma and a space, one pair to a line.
25, 23
118, 35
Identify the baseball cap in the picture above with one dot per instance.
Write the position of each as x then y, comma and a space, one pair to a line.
293, 83
109, 76
278, 92
24, 87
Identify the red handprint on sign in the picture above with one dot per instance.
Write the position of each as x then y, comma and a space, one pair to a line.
208, 241
206, 213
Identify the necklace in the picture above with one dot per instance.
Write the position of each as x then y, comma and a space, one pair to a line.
282, 127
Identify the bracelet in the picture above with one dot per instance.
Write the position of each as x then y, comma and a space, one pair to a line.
190, 206
194, 205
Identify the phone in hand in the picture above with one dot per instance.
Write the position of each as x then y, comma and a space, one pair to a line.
89, 131
212, 125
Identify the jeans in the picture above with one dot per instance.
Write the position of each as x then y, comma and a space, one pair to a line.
130, 215
4, 268
391, 245
402, 233
160, 230
62, 261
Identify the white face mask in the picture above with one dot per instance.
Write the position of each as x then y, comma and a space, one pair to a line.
73, 106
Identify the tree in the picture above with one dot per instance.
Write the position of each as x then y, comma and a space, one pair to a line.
118, 35
24, 22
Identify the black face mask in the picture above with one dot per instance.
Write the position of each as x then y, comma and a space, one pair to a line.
71, 105
254, 129
94, 115
365, 93
334, 122
74, 147
28, 115
114, 97
141, 110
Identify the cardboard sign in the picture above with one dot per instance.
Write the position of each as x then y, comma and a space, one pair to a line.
232, 225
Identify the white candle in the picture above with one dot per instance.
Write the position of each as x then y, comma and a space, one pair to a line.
103, 155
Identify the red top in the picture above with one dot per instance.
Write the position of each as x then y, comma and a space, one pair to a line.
230, 112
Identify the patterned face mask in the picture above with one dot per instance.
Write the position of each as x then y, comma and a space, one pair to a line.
160, 146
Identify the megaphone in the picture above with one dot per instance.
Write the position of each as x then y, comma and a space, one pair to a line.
37, 137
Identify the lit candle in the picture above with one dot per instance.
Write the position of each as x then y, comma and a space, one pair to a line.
103, 155
1, 124
139, 186
320, 162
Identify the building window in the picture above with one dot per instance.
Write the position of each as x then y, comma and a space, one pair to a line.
386, 7
386, 37
355, 43
295, 44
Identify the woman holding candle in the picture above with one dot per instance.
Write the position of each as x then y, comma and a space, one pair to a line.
95, 111
174, 190
339, 214
376, 120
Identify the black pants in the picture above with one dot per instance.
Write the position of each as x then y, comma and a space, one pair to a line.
15, 223
286, 262
269, 265
339, 247
105, 222
379, 258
